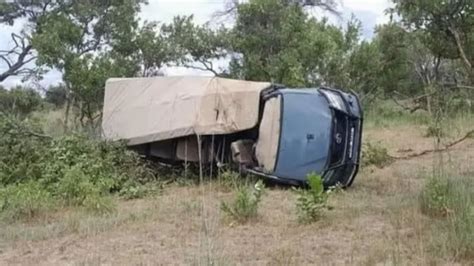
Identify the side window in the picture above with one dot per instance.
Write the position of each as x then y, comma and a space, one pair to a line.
269, 135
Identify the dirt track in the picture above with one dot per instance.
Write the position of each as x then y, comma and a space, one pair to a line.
377, 221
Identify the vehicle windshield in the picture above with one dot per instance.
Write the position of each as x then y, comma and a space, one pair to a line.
305, 134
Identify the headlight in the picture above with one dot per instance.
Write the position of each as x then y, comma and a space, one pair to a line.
335, 100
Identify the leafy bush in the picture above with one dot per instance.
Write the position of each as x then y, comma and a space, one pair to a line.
19, 151
109, 166
312, 202
450, 200
76, 187
74, 169
375, 154
24, 201
245, 205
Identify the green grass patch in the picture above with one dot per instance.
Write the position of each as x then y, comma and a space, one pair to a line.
450, 202
382, 114
25, 202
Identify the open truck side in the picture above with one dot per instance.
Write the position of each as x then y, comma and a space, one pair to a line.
261, 128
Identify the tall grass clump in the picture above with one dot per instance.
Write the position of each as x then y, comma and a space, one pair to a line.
449, 201
245, 205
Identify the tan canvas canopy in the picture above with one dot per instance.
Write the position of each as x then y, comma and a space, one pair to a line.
142, 110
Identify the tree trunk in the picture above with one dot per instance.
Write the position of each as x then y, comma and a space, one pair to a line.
428, 99
66, 116
462, 54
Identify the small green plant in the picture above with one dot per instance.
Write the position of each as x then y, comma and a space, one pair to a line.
245, 205
24, 201
375, 154
435, 196
312, 202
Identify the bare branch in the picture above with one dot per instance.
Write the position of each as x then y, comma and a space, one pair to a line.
20, 62
206, 66
202, 69
460, 49
4, 58
465, 87
326, 5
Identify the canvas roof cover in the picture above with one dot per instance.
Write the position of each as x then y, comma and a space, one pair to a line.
143, 110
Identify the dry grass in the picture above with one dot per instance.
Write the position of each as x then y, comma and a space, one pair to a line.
377, 221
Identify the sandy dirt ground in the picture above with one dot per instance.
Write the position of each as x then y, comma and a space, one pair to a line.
375, 222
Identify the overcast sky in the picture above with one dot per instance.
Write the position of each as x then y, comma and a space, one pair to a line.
370, 12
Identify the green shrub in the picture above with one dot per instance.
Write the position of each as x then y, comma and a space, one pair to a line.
20, 152
76, 187
25, 156
311, 202
24, 201
245, 205
375, 154
73, 169
434, 197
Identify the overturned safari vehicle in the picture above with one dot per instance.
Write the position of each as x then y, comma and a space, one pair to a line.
258, 127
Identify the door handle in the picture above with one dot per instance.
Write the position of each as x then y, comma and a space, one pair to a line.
309, 137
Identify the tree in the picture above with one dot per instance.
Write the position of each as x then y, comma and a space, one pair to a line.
396, 72
363, 68
449, 27
18, 57
88, 42
56, 95
277, 41
153, 49
196, 46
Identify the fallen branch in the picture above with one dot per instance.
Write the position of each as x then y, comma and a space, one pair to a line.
445, 148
